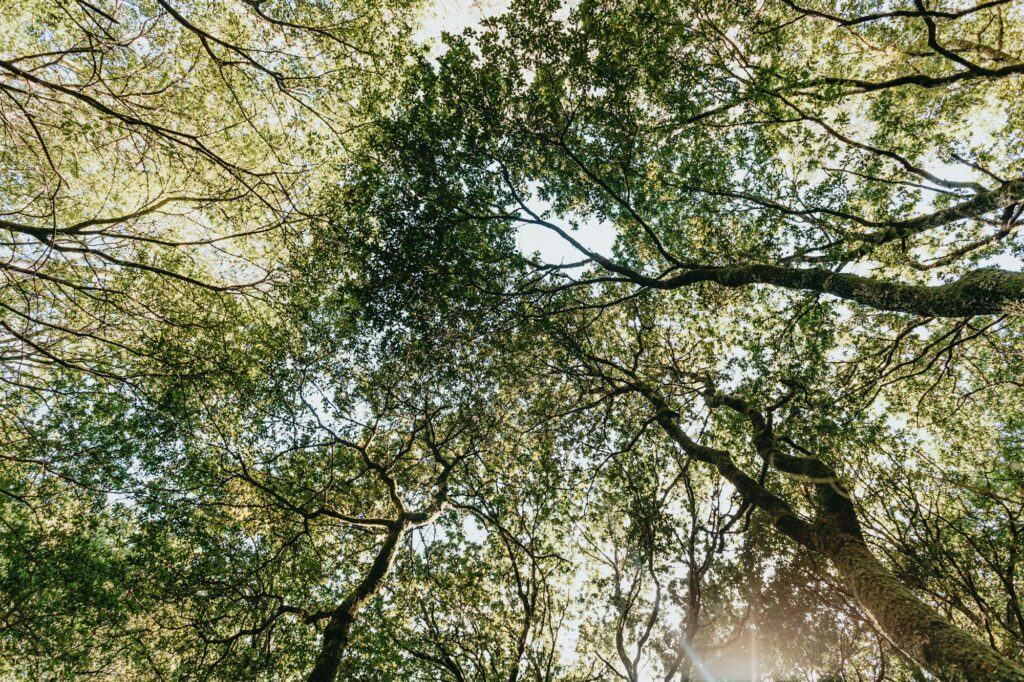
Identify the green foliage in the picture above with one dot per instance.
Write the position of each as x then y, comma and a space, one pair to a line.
218, 411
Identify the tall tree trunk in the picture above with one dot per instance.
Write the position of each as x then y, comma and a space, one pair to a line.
682, 664
339, 628
524, 633
915, 628
912, 626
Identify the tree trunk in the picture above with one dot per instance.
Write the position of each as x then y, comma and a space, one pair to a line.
339, 628
914, 627
682, 664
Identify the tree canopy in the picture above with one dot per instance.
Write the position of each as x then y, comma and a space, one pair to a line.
648, 340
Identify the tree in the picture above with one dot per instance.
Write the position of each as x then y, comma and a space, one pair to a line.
168, 145
773, 430
715, 147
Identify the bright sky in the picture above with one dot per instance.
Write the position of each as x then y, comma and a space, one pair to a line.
597, 237
453, 16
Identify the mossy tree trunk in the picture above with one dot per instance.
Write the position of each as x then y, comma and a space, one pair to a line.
338, 632
912, 626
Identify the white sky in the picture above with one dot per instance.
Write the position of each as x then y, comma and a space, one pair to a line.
597, 237
453, 16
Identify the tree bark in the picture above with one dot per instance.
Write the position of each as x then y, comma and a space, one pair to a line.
912, 626
337, 634
987, 291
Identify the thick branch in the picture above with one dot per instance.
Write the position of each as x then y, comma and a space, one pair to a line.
783, 516
339, 629
987, 291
